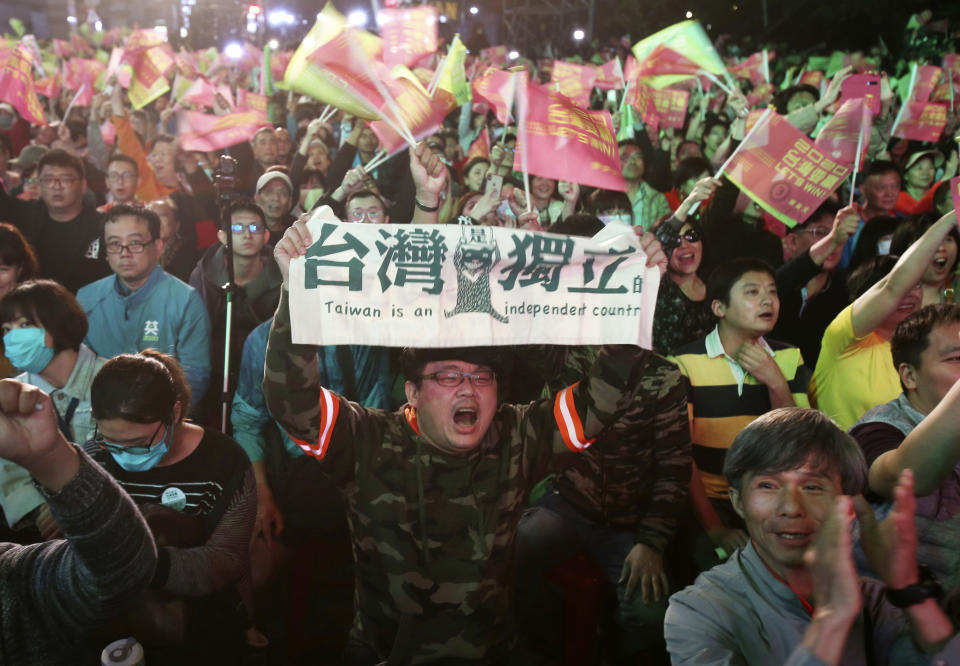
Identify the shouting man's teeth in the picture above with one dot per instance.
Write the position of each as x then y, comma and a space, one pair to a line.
465, 416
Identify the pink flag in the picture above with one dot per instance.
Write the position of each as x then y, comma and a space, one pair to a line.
422, 115
783, 171
752, 68
497, 88
927, 78
631, 68
671, 107
48, 87
921, 121
760, 94
841, 135
202, 94
610, 76
494, 55
342, 62
203, 132
408, 34
16, 86
573, 80
480, 146
812, 78
664, 61
251, 101
278, 64
565, 142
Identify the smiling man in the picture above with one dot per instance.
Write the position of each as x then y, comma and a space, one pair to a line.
735, 375
792, 595
435, 490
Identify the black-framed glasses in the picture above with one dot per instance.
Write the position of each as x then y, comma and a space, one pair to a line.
118, 448
252, 228
135, 247
451, 378
691, 236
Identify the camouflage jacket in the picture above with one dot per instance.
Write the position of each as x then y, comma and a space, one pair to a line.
638, 472
434, 533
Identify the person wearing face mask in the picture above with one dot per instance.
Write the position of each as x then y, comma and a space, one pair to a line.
195, 488
43, 331
611, 206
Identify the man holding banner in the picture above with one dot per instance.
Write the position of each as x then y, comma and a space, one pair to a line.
435, 490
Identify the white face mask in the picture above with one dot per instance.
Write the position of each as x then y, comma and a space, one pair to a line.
619, 217
883, 246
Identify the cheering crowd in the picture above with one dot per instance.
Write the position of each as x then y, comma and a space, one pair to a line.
776, 481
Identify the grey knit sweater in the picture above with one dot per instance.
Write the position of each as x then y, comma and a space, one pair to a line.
51, 592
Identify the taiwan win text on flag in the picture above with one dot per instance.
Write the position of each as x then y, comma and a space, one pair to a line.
783, 171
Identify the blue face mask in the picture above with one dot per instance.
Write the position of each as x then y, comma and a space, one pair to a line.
623, 218
135, 461
26, 349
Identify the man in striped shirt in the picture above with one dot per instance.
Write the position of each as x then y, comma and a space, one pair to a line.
734, 376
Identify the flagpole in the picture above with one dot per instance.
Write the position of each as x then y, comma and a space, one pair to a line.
856, 162
397, 123
66, 114
903, 107
725, 88
723, 167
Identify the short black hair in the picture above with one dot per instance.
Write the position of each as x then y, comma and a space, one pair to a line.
710, 124
789, 438
247, 205
135, 210
912, 335
601, 200
688, 168
62, 158
725, 275
827, 208
142, 388
912, 228
578, 224
362, 194
868, 274
414, 360
126, 159
877, 167
51, 306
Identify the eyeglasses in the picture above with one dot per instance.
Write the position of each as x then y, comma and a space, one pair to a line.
119, 448
819, 232
55, 181
135, 247
372, 215
450, 378
691, 236
252, 228
122, 176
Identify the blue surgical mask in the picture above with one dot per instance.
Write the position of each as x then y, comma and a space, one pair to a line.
26, 349
141, 462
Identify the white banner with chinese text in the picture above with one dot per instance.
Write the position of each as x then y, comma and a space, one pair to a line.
400, 285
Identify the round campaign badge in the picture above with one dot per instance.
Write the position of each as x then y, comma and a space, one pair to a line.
779, 191
174, 498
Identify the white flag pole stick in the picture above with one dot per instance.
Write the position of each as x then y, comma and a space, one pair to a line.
903, 107
856, 162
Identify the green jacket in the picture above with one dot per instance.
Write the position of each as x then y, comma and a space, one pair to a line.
434, 533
